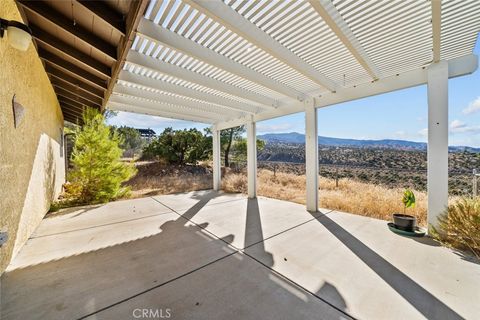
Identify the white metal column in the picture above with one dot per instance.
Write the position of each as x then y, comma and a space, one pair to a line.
217, 173
437, 173
311, 154
252, 159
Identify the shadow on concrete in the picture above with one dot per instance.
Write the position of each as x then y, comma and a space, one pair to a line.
467, 257
426, 240
121, 276
253, 230
254, 237
329, 293
416, 295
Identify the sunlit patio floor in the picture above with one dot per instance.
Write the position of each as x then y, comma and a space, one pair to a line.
209, 255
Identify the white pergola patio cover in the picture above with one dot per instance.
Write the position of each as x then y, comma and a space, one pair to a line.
235, 62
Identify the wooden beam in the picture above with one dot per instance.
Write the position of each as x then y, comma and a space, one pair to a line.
66, 110
135, 14
337, 24
120, 106
108, 14
54, 71
58, 44
173, 70
436, 28
73, 104
60, 91
70, 115
74, 90
172, 40
184, 91
225, 15
70, 67
42, 9
71, 119
456, 67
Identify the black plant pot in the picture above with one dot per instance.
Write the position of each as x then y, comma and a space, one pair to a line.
404, 222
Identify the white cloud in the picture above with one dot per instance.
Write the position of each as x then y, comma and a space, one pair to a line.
457, 126
423, 133
421, 119
273, 128
473, 107
400, 134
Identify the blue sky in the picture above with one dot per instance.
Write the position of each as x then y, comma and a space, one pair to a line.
396, 115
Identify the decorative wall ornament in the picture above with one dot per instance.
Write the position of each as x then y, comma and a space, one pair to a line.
18, 112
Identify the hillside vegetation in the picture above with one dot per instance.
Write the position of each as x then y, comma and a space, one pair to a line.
392, 168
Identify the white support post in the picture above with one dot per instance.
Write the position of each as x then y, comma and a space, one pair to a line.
311, 154
217, 173
252, 159
437, 172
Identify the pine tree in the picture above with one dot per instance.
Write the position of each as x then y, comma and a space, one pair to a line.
97, 173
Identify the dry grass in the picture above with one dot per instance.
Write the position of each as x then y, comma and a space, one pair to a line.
167, 185
157, 178
350, 196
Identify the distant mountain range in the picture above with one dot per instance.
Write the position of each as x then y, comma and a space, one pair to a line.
299, 138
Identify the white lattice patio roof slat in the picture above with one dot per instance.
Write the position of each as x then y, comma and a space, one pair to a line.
176, 100
128, 107
172, 108
233, 61
177, 42
185, 91
183, 73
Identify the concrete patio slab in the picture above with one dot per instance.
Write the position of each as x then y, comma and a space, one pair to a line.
251, 220
71, 243
97, 215
296, 265
380, 275
181, 202
77, 285
220, 291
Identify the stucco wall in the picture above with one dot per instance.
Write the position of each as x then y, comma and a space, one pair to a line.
31, 164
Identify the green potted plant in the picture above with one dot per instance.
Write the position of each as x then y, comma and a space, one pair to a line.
404, 221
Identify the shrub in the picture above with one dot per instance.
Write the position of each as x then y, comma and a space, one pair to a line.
179, 146
97, 173
459, 225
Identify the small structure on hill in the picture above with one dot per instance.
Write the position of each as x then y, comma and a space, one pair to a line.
147, 134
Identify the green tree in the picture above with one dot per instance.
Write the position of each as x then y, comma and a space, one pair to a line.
239, 148
227, 139
97, 173
132, 141
180, 146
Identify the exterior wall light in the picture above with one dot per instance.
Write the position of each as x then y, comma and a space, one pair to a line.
18, 34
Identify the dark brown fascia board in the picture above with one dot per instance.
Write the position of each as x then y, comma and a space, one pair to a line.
53, 71
82, 74
42, 9
135, 14
106, 13
48, 39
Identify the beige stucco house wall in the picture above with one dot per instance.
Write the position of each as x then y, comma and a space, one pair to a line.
32, 167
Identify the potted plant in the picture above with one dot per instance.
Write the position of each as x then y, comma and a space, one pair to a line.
404, 221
